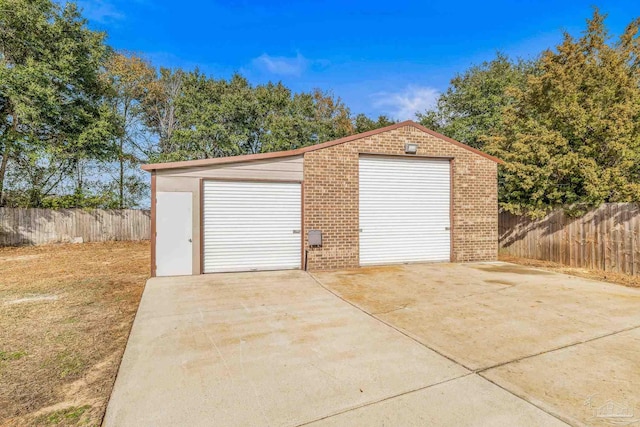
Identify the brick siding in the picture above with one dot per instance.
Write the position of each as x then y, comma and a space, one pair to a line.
331, 196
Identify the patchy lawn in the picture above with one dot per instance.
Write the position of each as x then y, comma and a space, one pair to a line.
66, 312
605, 276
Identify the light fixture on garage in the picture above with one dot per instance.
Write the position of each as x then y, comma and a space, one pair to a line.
410, 148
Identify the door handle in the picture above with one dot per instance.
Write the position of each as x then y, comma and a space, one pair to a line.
296, 231
189, 240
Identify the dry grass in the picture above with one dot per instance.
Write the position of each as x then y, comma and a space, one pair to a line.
605, 276
66, 312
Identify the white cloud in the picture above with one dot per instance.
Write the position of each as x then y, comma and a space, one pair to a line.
404, 104
102, 11
282, 65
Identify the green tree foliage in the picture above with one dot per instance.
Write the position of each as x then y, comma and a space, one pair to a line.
159, 106
50, 94
362, 123
472, 105
571, 137
299, 119
77, 119
212, 115
130, 79
203, 117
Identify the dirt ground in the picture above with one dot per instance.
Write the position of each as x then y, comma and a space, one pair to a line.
66, 312
605, 276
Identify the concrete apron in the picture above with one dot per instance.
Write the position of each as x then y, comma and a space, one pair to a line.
276, 348
568, 345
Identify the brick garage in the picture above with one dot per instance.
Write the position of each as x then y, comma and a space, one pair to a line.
331, 195
326, 178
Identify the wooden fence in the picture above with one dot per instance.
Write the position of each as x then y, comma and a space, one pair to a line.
41, 226
607, 238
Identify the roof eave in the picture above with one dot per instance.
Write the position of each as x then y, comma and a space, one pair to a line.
299, 151
219, 160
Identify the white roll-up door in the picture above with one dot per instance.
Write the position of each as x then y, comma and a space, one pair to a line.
251, 226
404, 210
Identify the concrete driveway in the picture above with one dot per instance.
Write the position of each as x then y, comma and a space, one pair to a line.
430, 344
568, 345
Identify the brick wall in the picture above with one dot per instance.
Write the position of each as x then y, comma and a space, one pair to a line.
331, 196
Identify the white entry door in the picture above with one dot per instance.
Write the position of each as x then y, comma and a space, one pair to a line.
173, 233
251, 226
404, 210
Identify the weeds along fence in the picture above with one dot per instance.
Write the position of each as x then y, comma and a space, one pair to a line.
42, 226
607, 238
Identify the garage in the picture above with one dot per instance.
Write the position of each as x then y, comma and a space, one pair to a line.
404, 210
251, 226
398, 194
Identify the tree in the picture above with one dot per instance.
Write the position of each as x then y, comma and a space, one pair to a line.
50, 93
277, 123
211, 115
572, 135
129, 78
301, 119
218, 117
159, 106
362, 123
332, 118
472, 106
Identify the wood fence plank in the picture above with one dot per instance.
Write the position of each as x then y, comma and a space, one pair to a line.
606, 238
633, 230
626, 247
20, 226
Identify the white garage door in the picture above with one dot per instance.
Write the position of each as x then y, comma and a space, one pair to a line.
251, 226
404, 210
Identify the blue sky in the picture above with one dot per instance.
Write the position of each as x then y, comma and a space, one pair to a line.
380, 57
